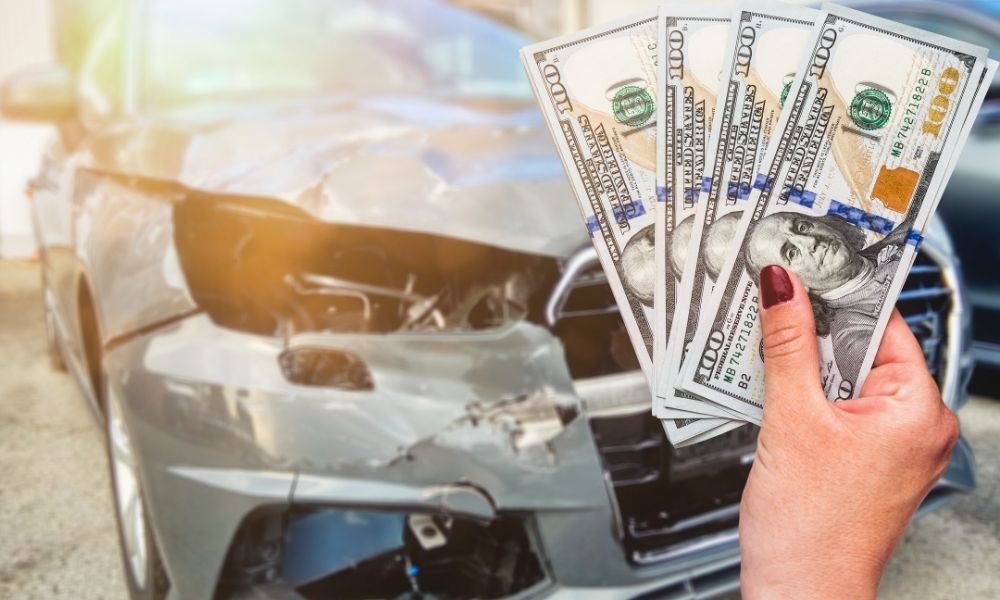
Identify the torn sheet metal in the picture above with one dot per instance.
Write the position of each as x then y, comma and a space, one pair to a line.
476, 171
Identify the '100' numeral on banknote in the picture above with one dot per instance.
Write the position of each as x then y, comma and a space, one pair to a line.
763, 51
693, 49
597, 91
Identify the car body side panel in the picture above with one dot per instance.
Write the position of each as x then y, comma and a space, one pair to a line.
125, 244
53, 218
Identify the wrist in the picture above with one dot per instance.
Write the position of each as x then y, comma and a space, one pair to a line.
818, 580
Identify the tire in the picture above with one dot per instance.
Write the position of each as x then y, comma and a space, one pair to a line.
51, 337
52, 344
145, 575
90, 336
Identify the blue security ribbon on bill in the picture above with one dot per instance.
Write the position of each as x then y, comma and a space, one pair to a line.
631, 211
803, 198
859, 218
762, 181
739, 190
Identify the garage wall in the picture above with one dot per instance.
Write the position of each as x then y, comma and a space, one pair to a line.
25, 39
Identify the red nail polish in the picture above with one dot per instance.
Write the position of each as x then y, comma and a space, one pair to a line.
775, 286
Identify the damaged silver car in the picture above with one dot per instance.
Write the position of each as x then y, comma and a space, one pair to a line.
319, 275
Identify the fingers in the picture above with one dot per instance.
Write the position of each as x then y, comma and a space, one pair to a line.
791, 353
900, 368
898, 344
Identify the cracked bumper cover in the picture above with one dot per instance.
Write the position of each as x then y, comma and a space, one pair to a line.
220, 432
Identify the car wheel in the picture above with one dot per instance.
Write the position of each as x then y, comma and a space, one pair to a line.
51, 339
144, 572
55, 355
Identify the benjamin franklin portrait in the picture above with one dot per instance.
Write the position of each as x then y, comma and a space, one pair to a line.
715, 244
639, 266
847, 281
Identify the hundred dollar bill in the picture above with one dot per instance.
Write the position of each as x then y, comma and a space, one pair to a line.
762, 51
877, 111
726, 427
683, 432
597, 91
692, 40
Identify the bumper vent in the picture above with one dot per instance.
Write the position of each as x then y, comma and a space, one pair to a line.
669, 499
925, 303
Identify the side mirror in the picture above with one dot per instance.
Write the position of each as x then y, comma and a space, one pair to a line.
41, 93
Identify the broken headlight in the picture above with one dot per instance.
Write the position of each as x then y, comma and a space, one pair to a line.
266, 267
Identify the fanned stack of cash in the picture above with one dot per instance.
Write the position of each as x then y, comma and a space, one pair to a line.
704, 144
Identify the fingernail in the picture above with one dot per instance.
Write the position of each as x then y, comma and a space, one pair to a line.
775, 286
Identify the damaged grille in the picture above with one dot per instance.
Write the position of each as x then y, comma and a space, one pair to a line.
925, 303
667, 497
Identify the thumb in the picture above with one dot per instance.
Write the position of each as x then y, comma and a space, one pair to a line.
791, 353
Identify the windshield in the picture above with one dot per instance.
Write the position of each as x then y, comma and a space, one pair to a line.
196, 50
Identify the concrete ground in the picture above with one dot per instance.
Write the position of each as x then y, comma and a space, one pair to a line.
57, 531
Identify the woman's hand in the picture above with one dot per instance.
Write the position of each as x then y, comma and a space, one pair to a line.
834, 486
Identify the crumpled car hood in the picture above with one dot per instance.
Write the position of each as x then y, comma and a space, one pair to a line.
487, 174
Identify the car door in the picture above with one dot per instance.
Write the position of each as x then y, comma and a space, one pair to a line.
98, 81
53, 231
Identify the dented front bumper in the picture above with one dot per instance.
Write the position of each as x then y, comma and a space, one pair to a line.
480, 427
474, 424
